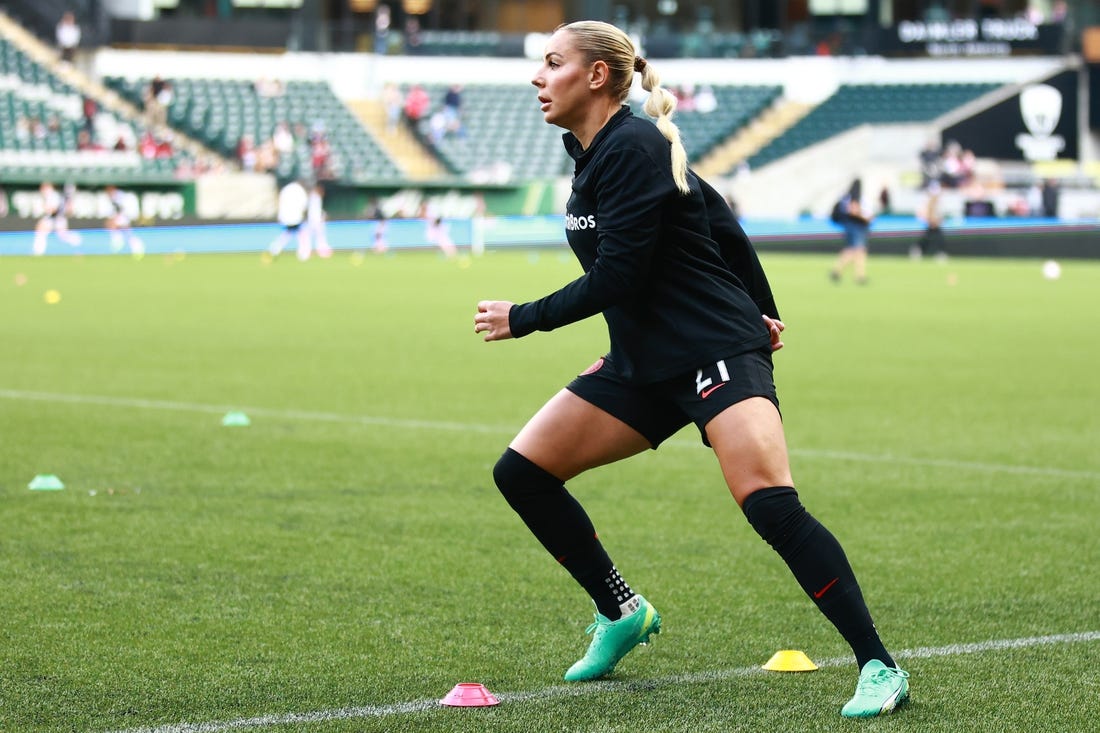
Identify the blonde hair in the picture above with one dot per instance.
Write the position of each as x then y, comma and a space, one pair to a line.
600, 41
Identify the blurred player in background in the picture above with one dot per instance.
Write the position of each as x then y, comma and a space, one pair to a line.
855, 222
55, 211
124, 209
315, 221
293, 200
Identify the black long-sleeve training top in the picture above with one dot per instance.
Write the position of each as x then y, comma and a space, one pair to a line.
674, 275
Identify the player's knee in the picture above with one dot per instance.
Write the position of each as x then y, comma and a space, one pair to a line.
775, 513
516, 476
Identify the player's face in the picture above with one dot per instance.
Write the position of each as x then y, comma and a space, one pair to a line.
563, 82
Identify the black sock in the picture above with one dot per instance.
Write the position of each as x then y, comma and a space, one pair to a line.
820, 566
560, 523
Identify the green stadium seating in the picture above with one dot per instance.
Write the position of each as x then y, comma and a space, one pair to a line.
28, 89
218, 112
856, 104
503, 125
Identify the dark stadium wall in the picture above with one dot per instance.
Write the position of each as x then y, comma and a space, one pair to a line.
994, 132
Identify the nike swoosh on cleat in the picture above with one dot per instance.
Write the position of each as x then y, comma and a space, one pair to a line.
706, 392
823, 591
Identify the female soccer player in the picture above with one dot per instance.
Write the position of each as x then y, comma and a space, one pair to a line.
124, 208
55, 218
683, 293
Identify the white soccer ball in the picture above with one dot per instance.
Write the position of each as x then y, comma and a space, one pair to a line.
1052, 270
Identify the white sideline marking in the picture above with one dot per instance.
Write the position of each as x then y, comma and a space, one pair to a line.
591, 688
389, 422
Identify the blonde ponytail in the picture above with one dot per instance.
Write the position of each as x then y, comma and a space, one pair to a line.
660, 105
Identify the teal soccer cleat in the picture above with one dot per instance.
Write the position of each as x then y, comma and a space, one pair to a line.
613, 640
879, 691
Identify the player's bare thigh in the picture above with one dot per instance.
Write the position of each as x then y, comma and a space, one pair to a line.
748, 439
568, 436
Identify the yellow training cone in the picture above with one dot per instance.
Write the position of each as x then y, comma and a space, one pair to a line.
790, 660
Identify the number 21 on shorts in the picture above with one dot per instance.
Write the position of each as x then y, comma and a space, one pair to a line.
705, 386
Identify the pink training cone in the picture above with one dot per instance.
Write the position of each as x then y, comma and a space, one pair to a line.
469, 695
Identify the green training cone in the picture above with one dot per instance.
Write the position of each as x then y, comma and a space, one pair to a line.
236, 419
45, 482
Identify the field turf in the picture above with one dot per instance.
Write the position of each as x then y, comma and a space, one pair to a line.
342, 562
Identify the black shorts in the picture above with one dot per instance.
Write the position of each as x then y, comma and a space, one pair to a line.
661, 409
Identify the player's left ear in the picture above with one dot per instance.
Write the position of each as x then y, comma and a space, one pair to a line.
599, 75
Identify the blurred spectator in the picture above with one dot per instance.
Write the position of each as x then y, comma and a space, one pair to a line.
157, 98
1049, 197
412, 33
165, 143
929, 163
382, 21
437, 127
156, 144
38, 128
951, 167
147, 145
84, 141
824, 47
705, 101
68, 36
452, 110
23, 129
189, 168
320, 157
391, 100
267, 157
268, 88
282, 139
968, 163
246, 152
89, 109
685, 97
416, 104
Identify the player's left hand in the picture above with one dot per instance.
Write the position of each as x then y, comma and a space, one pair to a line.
775, 328
492, 319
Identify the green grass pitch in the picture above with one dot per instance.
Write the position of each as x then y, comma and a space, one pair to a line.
344, 561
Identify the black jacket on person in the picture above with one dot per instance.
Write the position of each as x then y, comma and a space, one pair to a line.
674, 275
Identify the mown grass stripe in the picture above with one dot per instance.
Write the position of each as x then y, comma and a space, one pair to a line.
447, 426
418, 706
